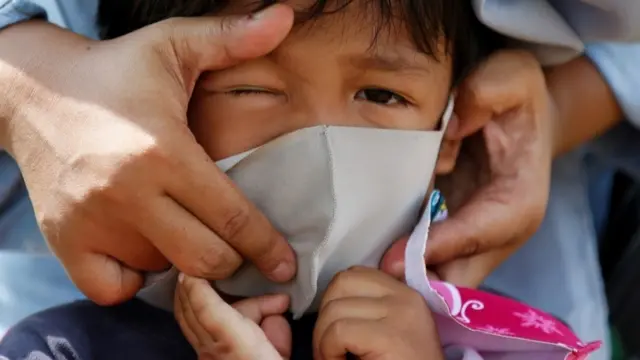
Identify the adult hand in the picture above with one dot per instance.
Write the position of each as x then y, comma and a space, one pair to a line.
250, 329
498, 191
371, 315
118, 183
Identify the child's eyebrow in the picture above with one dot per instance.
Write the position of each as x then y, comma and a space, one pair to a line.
389, 63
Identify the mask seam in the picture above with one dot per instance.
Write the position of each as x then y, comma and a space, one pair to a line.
325, 241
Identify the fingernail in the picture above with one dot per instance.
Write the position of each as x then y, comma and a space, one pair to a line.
283, 272
181, 278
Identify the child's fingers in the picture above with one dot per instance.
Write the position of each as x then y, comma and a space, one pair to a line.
267, 311
258, 308
213, 314
184, 326
213, 322
200, 293
352, 336
203, 335
277, 330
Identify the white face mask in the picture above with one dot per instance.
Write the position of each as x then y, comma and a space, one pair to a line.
339, 195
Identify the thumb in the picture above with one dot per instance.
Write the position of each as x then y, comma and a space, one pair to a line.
481, 224
213, 43
471, 272
466, 272
392, 262
103, 279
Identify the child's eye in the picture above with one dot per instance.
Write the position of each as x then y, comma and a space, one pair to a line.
381, 97
243, 91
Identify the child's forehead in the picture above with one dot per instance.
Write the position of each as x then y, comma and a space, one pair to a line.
341, 19
354, 35
364, 24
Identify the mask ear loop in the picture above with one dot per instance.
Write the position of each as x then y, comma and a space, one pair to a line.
415, 266
448, 113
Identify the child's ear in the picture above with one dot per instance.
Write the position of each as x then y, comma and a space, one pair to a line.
449, 149
448, 156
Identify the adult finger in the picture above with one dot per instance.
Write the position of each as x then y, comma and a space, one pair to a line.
480, 225
133, 250
278, 332
212, 197
505, 211
102, 279
493, 88
392, 262
471, 272
191, 246
350, 336
212, 43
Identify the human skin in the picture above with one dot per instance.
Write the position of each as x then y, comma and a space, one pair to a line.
118, 184
522, 116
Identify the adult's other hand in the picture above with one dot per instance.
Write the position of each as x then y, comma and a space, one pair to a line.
118, 183
499, 189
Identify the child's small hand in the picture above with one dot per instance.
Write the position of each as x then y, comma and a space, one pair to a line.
251, 329
369, 314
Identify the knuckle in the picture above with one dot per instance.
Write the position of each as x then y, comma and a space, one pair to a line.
234, 222
336, 330
167, 45
212, 263
227, 24
167, 32
338, 282
342, 278
330, 308
471, 247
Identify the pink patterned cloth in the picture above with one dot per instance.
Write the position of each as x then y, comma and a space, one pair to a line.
475, 325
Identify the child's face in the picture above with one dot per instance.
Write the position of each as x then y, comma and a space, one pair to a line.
330, 71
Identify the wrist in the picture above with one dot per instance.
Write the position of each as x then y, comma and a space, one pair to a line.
33, 54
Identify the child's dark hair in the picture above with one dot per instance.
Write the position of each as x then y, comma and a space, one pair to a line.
427, 21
